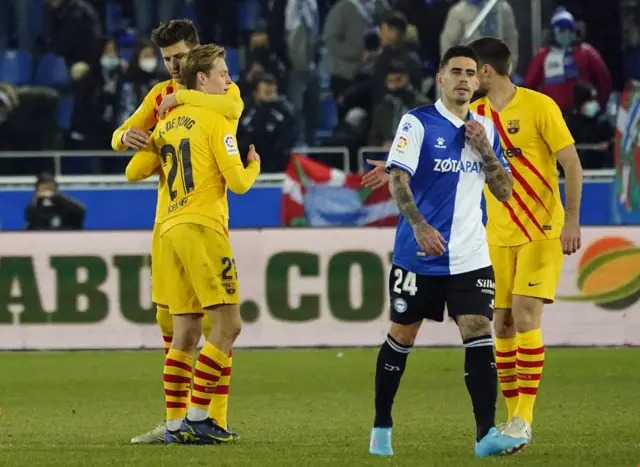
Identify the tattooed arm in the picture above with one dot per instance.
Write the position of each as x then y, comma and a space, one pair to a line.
499, 180
498, 177
429, 239
399, 187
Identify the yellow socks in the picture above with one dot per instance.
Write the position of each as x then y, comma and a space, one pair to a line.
220, 401
177, 379
507, 374
529, 364
165, 321
208, 370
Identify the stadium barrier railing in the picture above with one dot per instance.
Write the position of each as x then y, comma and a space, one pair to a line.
338, 154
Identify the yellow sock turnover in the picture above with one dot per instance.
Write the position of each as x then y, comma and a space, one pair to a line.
206, 375
165, 321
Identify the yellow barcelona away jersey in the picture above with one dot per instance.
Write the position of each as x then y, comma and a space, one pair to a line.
197, 148
532, 130
145, 117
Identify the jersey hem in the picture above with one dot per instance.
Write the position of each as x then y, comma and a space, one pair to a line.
507, 245
444, 273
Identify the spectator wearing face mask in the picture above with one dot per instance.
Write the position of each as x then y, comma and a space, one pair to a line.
260, 58
393, 34
51, 210
268, 122
360, 92
557, 68
588, 126
400, 97
97, 96
141, 75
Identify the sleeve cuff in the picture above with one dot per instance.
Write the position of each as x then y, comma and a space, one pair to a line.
399, 165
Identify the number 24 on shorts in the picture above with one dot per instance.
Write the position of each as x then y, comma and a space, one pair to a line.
406, 285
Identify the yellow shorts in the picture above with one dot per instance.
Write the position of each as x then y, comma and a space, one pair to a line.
157, 292
532, 269
198, 270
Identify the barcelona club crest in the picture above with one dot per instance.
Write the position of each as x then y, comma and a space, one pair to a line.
513, 126
230, 288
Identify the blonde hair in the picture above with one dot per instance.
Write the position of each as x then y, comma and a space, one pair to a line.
199, 60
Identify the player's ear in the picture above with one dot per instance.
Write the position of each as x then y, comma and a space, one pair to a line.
439, 79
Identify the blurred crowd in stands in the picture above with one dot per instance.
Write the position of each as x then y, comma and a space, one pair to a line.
312, 72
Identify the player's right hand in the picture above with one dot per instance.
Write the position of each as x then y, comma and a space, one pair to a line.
430, 240
253, 155
135, 139
377, 177
169, 101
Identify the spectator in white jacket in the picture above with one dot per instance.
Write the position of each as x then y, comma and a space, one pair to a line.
500, 23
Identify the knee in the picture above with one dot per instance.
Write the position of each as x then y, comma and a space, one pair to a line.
186, 342
186, 335
504, 325
232, 331
404, 334
525, 321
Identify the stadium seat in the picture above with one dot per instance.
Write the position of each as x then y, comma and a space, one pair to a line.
233, 63
248, 14
16, 67
52, 71
65, 111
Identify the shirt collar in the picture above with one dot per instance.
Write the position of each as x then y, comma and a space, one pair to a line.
454, 119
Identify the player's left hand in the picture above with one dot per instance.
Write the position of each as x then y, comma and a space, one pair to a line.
476, 135
377, 177
169, 101
571, 238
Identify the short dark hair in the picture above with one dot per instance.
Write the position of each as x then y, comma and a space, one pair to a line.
493, 52
263, 77
397, 21
457, 51
174, 31
46, 177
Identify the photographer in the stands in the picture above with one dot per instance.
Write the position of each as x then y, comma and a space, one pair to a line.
51, 210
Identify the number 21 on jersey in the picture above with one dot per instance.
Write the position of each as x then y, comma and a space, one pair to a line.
180, 158
406, 283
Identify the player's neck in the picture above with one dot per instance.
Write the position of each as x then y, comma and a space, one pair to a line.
501, 93
459, 110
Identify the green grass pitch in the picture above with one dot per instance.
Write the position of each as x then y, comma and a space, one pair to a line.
310, 408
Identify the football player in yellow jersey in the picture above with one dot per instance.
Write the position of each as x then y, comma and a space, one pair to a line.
199, 157
174, 38
528, 234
